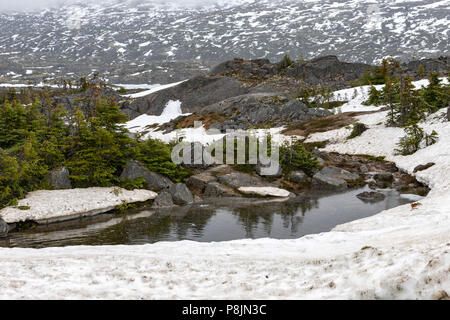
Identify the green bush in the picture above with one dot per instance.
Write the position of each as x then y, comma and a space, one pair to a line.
294, 156
414, 138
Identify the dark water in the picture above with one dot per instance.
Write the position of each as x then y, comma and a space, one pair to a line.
215, 220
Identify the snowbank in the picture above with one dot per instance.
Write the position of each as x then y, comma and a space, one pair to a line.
170, 112
47, 206
153, 89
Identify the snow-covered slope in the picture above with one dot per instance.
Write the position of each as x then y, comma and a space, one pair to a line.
402, 253
140, 39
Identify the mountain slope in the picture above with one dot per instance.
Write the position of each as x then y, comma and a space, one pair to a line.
132, 41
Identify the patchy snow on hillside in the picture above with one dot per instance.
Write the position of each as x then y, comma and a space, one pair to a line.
357, 95
45, 206
401, 253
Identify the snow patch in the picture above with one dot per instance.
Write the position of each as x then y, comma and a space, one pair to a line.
45, 206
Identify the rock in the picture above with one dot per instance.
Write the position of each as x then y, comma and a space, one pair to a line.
260, 68
339, 173
181, 195
265, 191
199, 181
153, 181
164, 199
47, 206
326, 182
423, 167
239, 179
384, 177
259, 170
261, 108
215, 189
4, 228
199, 158
59, 178
321, 161
298, 177
448, 113
220, 170
370, 196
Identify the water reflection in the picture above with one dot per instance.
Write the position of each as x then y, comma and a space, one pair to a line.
213, 220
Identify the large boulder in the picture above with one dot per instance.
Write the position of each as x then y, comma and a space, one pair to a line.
199, 181
134, 169
298, 177
48, 206
194, 94
3, 229
181, 195
239, 179
164, 199
259, 168
259, 68
59, 179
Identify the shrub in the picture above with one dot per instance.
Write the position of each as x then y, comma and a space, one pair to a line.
414, 139
358, 129
294, 156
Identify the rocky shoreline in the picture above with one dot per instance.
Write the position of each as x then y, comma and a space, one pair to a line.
336, 173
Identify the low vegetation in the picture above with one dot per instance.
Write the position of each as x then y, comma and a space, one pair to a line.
94, 146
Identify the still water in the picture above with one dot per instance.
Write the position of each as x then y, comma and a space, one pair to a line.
212, 220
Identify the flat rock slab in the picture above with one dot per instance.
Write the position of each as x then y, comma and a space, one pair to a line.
265, 191
47, 206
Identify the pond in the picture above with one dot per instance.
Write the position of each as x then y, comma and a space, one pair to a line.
218, 219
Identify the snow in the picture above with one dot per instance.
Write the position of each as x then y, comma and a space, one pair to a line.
155, 88
401, 253
47, 206
357, 95
265, 191
170, 112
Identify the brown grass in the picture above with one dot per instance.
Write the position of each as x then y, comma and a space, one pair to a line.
323, 124
206, 119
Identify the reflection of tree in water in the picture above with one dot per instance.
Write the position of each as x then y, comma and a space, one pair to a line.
251, 215
162, 225
180, 223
